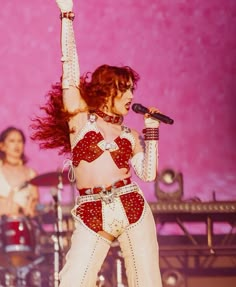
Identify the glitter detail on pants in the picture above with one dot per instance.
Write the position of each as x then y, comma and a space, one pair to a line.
91, 214
133, 204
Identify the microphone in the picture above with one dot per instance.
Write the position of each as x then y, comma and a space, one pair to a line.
138, 108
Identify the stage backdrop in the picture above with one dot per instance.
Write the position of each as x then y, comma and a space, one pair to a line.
185, 53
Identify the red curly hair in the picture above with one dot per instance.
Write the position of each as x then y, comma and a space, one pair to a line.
105, 82
52, 130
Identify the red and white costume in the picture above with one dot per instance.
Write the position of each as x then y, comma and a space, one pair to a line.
120, 210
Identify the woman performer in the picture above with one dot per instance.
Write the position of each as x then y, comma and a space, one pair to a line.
84, 117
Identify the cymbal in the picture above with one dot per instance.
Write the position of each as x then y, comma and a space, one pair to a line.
51, 179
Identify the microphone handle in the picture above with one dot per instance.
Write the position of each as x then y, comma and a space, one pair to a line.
162, 118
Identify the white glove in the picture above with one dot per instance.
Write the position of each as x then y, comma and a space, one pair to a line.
151, 123
65, 5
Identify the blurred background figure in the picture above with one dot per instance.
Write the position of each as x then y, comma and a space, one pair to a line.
17, 197
18, 200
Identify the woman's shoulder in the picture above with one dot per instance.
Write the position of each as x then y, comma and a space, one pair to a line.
31, 172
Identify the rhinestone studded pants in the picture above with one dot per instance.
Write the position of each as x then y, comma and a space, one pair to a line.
140, 251
84, 259
139, 247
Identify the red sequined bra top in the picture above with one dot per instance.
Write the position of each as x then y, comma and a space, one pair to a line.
90, 144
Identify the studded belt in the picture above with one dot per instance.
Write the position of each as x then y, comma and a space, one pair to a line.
108, 195
98, 189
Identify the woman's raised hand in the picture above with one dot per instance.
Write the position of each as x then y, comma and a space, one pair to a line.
65, 5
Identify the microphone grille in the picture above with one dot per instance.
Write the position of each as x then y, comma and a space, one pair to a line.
136, 107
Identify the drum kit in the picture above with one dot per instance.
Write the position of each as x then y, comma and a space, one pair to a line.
32, 256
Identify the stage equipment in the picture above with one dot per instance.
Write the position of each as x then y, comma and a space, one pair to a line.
29, 255
169, 185
173, 278
18, 240
56, 179
51, 179
197, 239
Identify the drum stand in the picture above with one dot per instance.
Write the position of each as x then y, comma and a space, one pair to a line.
57, 238
119, 273
21, 272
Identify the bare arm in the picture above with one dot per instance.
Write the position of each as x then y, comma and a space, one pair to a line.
25, 198
33, 201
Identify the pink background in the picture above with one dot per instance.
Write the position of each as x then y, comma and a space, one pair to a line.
185, 53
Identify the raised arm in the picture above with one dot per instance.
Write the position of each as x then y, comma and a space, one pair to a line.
70, 62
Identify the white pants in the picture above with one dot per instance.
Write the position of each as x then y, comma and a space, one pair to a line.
139, 247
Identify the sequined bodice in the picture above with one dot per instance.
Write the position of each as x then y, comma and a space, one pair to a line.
90, 144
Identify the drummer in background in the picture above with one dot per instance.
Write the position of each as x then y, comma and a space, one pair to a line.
16, 196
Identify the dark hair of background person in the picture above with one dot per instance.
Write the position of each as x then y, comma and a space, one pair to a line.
4, 134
